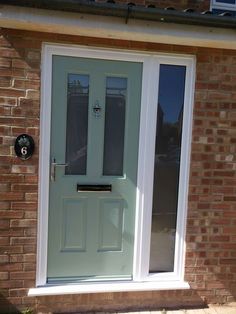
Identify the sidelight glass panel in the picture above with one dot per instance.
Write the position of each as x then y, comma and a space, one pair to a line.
77, 123
167, 167
116, 89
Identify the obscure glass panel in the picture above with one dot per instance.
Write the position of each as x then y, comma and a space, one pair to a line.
167, 165
116, 89
77, 123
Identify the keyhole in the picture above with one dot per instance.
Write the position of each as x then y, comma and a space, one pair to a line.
97, 109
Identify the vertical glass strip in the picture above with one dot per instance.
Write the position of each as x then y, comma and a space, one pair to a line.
77, 123
116, 89
167, 167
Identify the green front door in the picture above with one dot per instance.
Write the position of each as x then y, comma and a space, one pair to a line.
94, 157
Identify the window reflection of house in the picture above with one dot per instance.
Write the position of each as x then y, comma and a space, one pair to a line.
166, 181
77, 127
114, 128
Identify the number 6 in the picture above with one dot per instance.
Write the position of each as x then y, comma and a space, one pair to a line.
24, 150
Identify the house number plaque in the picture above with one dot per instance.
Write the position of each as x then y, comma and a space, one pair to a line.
24, 146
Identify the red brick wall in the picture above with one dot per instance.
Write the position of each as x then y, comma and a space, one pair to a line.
196, 5
211, 225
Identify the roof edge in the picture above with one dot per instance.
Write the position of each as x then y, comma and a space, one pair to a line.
127, 12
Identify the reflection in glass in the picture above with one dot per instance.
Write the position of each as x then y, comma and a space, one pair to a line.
77, 123
167, 166
116, 89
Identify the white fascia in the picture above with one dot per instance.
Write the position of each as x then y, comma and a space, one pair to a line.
115, 28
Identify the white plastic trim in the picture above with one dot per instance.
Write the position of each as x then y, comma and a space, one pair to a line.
146, 170
107, 287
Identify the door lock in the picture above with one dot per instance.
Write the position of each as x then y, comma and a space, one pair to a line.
54, 164
97, 109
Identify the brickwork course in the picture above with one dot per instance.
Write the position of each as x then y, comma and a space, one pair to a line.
197, 5
210, 266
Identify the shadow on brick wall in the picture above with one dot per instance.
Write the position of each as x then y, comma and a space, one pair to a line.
6, 307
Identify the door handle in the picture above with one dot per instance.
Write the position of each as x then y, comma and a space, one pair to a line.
54, 164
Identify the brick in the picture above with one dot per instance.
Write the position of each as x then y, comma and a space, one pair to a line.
5, 196
34, 55
15, 300
4, 275
19, 63
29, 267
22, 240
31, 196
230, 198
23, 169
11, 249
12, 92
4, 240
5, 63
26, 84
33, 75
30, 249
5, 82
31, 179
4, 259
29, 232
4, 224
227, 261
22, 275
11, 178
18, 292
31, 94
30, 258
24, 205
11, 214
16, 258
18, 121
23, 223
11, 267
30, 215
24, 187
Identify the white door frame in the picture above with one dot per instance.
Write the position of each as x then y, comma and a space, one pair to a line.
149, 98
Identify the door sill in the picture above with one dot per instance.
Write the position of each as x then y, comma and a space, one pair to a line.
107, 287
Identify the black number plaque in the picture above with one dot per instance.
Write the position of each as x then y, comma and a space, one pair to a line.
24, 146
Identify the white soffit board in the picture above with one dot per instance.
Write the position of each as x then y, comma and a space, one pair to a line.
115, 28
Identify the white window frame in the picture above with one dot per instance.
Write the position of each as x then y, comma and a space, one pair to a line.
222, 6
142, 280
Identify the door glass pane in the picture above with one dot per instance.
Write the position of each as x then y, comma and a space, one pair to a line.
116, 89
77, 123
167, 165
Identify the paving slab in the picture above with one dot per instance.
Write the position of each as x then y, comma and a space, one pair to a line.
225, 310
176, 312
210, 311
195, 311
